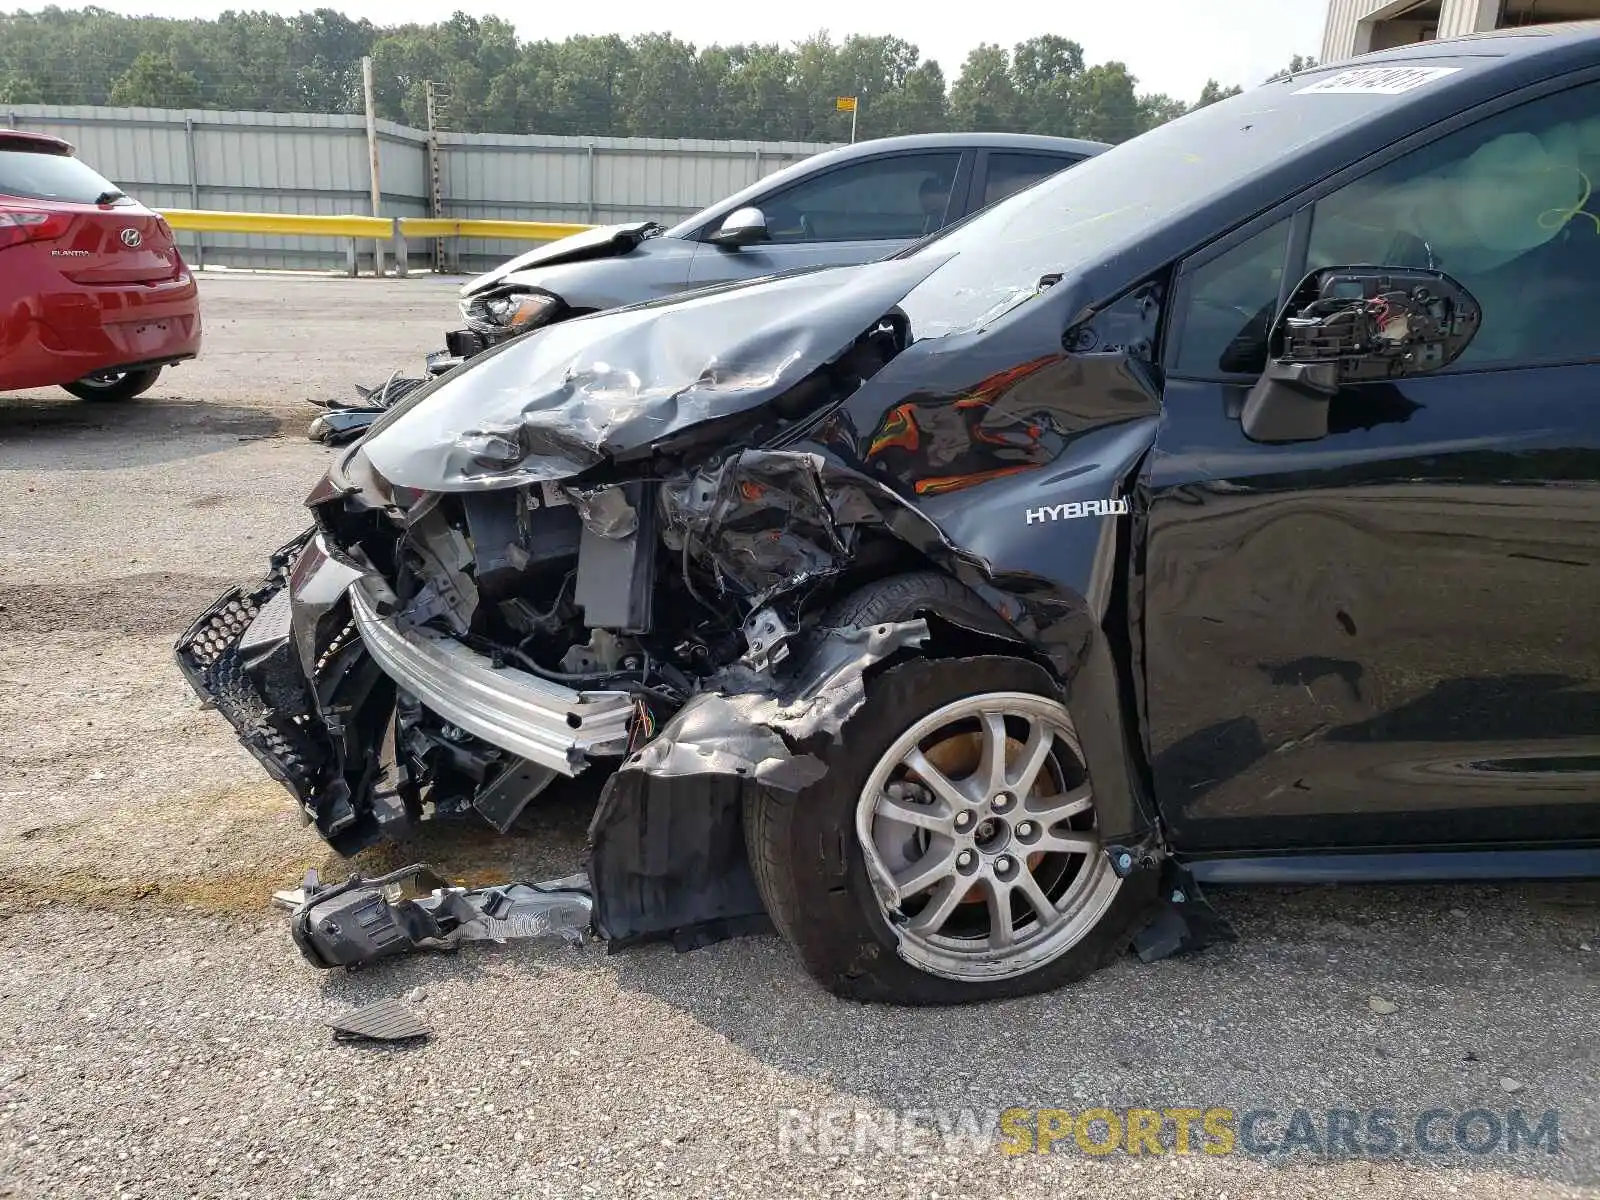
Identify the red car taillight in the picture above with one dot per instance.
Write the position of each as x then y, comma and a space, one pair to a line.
18, 227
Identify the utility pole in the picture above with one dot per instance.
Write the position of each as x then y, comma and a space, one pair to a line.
372, 155
435, 175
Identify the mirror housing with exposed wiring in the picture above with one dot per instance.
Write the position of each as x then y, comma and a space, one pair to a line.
1353, 325
743, 227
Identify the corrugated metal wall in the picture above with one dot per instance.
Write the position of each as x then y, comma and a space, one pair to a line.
1457, 17
1343, 36
599, 180
1344, 19
317, 163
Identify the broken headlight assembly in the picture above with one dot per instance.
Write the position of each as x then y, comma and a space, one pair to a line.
508, 313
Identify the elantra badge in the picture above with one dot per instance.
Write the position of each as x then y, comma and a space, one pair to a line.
131, 238
1078, 508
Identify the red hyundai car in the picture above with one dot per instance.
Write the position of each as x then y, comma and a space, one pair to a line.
94, 295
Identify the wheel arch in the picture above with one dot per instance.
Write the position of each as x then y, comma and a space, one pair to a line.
1086, 667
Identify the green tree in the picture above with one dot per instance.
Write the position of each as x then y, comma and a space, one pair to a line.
19, 89
1107, 104
327, 48
879, 70
488, 80
1296, 65
1214, 91
1045, 72
153, 81
922, 104
661, 87
589, 85
758, 99
520, 98
816, 79
984, 97
1158, 110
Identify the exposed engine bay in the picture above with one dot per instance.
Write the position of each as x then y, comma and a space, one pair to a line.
671, 605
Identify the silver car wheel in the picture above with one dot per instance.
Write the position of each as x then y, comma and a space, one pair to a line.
978, 825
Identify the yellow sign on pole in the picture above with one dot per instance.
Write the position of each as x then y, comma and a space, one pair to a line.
848, 104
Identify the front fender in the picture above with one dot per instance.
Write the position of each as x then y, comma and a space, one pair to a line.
1026, 460
1060, 586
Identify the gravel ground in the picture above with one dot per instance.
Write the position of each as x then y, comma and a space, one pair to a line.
160, 1036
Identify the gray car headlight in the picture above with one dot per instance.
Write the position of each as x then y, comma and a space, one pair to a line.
509, 313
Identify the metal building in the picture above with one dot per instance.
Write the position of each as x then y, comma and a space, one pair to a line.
1357, 26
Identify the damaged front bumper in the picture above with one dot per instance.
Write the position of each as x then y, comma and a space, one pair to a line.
307, 666
328, 691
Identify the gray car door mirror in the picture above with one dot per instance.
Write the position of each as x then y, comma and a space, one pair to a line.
1348, 325
743, 227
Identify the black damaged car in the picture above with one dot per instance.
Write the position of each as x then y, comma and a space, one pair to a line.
1224, 510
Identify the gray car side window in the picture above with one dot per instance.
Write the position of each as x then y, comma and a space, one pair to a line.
903, 196
1011, 171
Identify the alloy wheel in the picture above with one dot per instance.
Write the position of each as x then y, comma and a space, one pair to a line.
978, 825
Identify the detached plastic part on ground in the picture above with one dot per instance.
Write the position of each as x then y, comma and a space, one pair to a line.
383, 1021
342, 422
414, 910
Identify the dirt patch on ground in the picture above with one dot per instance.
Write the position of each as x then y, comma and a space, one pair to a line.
149, 603
465, 855
30, 415
244, 893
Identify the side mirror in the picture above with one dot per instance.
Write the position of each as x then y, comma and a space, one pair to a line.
1349, 325
743, 227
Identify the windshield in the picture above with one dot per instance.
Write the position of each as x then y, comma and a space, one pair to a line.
1111, 201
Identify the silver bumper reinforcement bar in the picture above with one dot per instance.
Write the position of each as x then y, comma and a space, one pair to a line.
519, 712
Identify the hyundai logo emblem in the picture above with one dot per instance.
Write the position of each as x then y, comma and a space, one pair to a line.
131, 238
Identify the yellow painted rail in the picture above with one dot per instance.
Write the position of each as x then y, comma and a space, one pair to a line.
533, 231
278, 224
393, 229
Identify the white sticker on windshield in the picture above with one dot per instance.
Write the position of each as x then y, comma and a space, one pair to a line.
1377, 81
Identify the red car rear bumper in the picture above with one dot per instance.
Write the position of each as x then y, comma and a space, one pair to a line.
61, 335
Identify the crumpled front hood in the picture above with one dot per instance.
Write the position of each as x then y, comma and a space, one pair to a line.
603, 241
556, 402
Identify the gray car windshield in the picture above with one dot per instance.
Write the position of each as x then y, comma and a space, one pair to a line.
1108, 203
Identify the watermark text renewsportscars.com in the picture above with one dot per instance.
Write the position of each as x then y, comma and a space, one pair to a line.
1214, 1130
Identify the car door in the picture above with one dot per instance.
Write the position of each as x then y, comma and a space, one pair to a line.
1387, 636
854, 213
1001, 173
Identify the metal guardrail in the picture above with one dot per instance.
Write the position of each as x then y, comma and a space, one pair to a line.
396, 230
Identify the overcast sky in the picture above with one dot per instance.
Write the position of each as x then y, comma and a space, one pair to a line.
1172, 46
